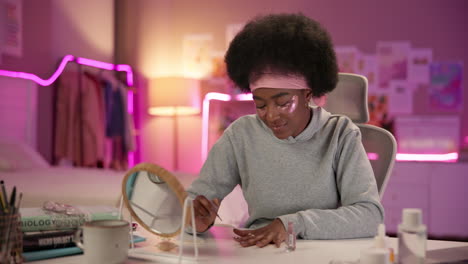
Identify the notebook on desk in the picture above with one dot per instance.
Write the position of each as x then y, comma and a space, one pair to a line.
62, 252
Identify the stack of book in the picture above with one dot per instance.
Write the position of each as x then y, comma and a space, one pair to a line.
48, 234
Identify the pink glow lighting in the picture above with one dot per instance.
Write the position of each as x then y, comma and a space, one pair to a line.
448, 157
130, 102
244, 97
131, 159
372, 156
61, 67
206, 118
95, 63
128, 69
37, 79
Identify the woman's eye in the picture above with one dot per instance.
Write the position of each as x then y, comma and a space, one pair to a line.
284, 104
260, 106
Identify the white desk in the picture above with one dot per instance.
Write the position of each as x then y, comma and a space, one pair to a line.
219, 247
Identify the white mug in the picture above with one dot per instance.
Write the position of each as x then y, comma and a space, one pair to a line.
104, 241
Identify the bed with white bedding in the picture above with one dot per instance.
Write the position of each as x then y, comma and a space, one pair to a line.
23, 167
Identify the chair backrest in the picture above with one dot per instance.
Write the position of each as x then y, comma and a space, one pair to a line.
350, 98
381, 147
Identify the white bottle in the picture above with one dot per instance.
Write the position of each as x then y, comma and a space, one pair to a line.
412, 238
380, 253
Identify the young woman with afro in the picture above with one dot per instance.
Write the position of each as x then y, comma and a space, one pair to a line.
295, 162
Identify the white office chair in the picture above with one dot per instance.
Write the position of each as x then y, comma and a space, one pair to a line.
350, 98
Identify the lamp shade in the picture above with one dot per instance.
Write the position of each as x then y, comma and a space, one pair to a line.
169, 96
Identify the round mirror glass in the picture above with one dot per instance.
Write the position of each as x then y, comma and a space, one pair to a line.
154, 197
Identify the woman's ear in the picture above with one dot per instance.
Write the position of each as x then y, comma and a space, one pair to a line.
308, 94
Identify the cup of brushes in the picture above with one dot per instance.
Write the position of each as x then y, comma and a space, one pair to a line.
11, 240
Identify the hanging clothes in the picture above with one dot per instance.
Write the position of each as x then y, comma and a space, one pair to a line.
67, 137
93, 127
119, 125
94, 121
79, 124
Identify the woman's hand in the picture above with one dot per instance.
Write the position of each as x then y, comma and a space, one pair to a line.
272, 233
205, 212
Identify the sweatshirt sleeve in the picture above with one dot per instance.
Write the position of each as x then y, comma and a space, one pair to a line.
219, 174
360, 211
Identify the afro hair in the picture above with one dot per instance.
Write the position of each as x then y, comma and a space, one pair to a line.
287, 44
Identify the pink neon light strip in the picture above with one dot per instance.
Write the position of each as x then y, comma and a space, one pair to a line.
206, 118
448, 157
95, 63
130, 102
84, 61
244, 97
35, 78
61, 67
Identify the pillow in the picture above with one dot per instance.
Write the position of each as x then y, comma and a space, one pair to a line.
15, 155
7, 165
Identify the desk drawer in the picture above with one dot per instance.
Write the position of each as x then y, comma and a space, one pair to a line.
411, 172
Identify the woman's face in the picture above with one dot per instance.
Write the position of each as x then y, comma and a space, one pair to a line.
284, 111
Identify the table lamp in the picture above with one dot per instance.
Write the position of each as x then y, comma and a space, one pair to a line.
174, 97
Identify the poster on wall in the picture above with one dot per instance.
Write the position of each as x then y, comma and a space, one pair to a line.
418, 65
197, 60
445, 88
347, 58
401, 93
392, 61
379, 115
367, 66
218, 65
12, 27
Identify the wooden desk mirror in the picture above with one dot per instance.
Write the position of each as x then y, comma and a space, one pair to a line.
155, 199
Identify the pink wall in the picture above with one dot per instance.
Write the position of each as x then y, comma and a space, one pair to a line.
155, 29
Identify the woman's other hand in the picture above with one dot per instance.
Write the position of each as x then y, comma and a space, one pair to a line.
274, 233
205, 212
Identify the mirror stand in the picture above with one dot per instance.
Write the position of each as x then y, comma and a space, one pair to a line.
188, 202
141, 253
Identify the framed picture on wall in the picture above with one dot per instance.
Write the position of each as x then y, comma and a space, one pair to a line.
11, 21
347, 57
197, 59
392, 62
418, 65
445, 91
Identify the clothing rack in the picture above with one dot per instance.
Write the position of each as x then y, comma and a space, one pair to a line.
80, 61
82, 64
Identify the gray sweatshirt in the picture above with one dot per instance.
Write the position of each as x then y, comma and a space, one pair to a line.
321, 180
